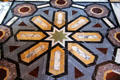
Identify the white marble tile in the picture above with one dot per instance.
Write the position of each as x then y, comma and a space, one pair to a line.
116, 7
12, 21
57, 60
4, 7
117, 59
42, 6
78, 6
108, 22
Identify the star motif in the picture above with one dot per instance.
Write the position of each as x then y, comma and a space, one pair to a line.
58, 39
63, 39
59, 36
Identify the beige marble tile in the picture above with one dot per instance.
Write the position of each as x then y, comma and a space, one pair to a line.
115, 0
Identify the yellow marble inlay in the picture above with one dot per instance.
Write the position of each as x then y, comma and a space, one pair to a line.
41, 23
34, 52
87, 36
109, 71
115, 36
78, 23
5, 0
60, 19
114, 0
30, 35
81, 53
60, 64
7, 72
3, 33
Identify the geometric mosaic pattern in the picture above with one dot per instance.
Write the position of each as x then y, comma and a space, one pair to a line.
60, 39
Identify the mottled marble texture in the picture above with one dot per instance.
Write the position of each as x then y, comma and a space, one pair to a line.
28, 72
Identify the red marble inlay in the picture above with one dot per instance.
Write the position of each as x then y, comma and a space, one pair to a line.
97, 10
1, 33
24, 9
113, 76
61, 2
118, 36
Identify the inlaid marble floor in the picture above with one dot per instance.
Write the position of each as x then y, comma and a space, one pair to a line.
60, 40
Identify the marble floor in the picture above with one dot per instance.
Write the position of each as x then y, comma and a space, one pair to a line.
60, 40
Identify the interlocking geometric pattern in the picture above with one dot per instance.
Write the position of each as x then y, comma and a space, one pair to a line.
60, 39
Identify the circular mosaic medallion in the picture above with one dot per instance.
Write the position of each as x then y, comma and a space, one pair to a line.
23, 10
107, 71
7, 70
97, 11
61, 3
4, 33
114, 36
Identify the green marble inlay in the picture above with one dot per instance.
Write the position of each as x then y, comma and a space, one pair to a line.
58, 36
